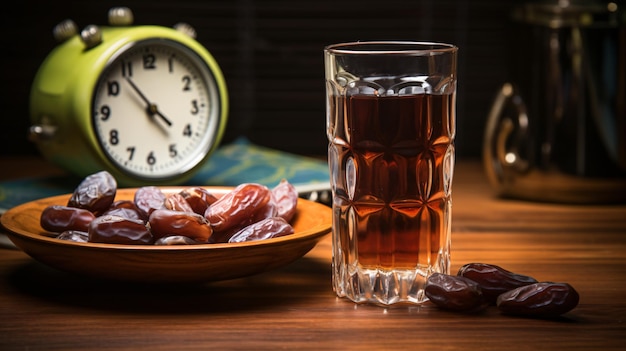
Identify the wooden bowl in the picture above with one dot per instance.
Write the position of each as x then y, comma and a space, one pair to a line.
164, 264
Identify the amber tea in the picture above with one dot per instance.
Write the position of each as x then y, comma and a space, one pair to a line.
399, 149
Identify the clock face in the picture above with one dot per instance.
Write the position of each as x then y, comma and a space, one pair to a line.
155, 109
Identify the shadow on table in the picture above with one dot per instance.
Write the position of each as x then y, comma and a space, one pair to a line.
303, 279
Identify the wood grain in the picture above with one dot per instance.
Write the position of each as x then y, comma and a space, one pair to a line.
294, 307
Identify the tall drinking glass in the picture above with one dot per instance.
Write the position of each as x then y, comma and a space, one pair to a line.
390, 114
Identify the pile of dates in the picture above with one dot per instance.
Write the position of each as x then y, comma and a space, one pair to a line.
479, 285
191, 216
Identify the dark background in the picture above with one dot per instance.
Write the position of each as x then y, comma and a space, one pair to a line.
271, 55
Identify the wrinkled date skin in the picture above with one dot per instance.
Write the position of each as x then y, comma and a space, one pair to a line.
58, 218
194, 215
77, 236
119, 230
128, 204
494, 280
176, 240
454, 293
261, 213
165, 223
545, 299
147, 199
264, 229
237, 206
176, 202
95, 193
267, 211
124, 212
285, 197
199, 199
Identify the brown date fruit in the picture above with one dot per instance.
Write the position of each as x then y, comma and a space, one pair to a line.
238, 206
165, 223
545, 299
147, 199
128, 204
494, 280
57, 218
285, 197
198, 198
74, 235
124, 212
176, 240
119, 230
223, 236
264, 229
176, 202
95, 193
454, 293
267, 211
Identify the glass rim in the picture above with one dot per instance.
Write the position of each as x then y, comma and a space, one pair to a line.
382, 47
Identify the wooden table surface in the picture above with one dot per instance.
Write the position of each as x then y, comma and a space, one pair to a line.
295, 308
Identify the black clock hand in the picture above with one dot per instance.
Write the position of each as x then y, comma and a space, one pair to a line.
151, 108
165, 119
141, 95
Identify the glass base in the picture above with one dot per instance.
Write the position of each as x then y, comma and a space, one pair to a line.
380, 287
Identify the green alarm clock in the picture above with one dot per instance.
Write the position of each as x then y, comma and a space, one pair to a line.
148, 104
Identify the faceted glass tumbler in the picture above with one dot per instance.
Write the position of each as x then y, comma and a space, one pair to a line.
390, 113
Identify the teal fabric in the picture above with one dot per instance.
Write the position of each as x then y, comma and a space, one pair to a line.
231, 164
242, 162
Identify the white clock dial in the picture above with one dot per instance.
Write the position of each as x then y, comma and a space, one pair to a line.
155, 109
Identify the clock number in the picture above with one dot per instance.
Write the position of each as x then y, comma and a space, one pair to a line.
173, 151
105, 112
131, 152
151, 159
114, 137
194, 107
149, 61
113, 88
187, 131
127, 69
186, 83
170, 63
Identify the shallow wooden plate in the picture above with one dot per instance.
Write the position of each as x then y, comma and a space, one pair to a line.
164, 264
